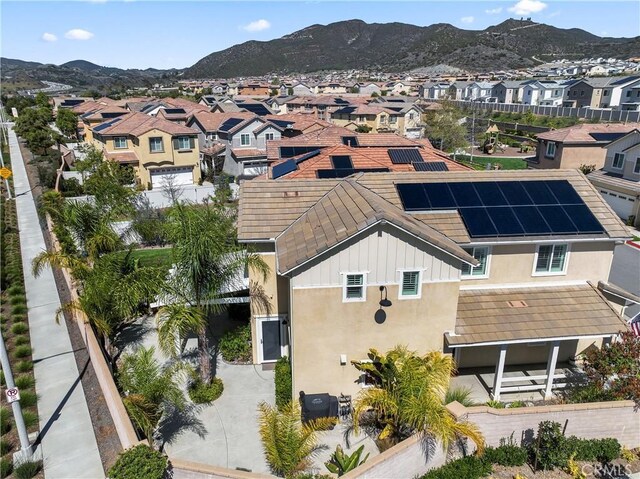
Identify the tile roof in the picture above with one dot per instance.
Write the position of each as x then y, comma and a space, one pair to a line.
212, 121
123, 156
342, 212
485, 316
137, 124
267, 207
247, 152
582, 133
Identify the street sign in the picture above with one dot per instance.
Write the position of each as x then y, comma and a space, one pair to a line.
13, 395
5, 173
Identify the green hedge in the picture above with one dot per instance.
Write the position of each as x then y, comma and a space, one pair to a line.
201, 393
470, 467
139, 462
283, 382
506, 455
235, 345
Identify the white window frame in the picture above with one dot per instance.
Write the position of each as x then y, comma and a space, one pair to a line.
182, 147
551, 273
615, 157
549, 145
115, 145
418, 294
161, 150
487, 266
242, 137
344, 287
636, 167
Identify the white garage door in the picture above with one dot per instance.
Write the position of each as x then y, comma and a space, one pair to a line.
176, 176
621, 204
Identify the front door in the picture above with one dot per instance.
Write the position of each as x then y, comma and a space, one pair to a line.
270, 340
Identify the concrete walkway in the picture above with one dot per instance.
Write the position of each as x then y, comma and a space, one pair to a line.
67, 441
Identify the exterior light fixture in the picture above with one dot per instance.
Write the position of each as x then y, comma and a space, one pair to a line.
384, 302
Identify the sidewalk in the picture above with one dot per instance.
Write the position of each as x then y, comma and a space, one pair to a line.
67, 441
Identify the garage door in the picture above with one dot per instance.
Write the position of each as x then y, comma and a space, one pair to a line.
176, 176
621, 204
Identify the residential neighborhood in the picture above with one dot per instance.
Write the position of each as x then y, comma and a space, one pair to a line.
306, 245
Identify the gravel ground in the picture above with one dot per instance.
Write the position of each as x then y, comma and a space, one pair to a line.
107, 438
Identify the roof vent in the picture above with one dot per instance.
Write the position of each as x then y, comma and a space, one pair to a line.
517, 304
291, 194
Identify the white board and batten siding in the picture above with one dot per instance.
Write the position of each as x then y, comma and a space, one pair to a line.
382, 253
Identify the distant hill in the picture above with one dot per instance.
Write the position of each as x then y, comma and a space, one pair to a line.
399, 46
82, 65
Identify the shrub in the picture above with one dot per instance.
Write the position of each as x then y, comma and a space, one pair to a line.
470, 467
139, 462
20, 339
462, 395
547, 450
24, 366
517, 403
6, 467
495, 404
18, 309
25, 381
22, 351
5, 447
5, 420
201, 393
19, 328
235, 345
20, 299
1, 377
15, 289
27, 469
4, 319
585, 393
602, 450
283, 382
506, 455
28, 399
19, 318
30, 419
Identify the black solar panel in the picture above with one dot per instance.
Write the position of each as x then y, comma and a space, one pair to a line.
506, 208
402, 156
347, 110
283, 169
344, 172
341, 162
625, 80
106, 125
230, 123
306, 156
291, 151
174, 111
257, 108
281, 123
350, 140
606, 136
111, 114
430, 166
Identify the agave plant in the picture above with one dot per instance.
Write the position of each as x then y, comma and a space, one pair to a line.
341, 463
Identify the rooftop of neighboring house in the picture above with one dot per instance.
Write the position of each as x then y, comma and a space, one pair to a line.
136, 124
211, 122
307, 217
102, 112
370, 109
339, 161
588, 133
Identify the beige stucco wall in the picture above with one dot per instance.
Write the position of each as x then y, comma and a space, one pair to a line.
570, 156
323, 328
509, 264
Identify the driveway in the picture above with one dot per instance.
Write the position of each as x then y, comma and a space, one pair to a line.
625, 273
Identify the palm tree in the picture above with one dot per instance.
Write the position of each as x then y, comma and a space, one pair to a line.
150, 390
409, 397
208, 263
289, 445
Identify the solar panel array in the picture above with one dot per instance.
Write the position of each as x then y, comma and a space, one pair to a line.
404, 156
106, 125
430, 166
111, 114
282, 123
257, 108
344, 172
291, 151
230, 123
341, 162
606, 136
306, 156
174, 111
350, 140
506, 208
283, 169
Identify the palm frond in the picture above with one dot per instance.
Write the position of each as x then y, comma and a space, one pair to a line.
176, 321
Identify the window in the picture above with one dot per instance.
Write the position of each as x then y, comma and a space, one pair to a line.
245, 139
551, 150
184, 143
268, 136
480, 271
411, 116
212, 136
551, 259
638, 93
575, 92
410, 286
393, 120
155, 145
354, 287
605, 93
581, 92
120, 142
618, 160
628, 93
383, 119
636, 168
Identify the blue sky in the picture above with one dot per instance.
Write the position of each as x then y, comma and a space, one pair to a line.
142, 34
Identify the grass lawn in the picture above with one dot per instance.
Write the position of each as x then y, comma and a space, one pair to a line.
505, 163
153, 257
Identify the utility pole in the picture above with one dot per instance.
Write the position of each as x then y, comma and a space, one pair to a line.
25, 446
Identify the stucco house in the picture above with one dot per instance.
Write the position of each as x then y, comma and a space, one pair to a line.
495, 268
619, 180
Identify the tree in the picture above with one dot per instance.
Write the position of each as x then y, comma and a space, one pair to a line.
363, 129
109, 183
67, 122
208, 261
289, 445
42, 100
445, 129
150, 390
409, 397
33, 126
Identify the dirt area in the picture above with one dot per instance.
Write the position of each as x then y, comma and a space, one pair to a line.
106, 436
619, 468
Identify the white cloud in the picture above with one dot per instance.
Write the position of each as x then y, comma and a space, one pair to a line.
78, 34
467, 19
493, 11
257, 26
527, 7
49, 37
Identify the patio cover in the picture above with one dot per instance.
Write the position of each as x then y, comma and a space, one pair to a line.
520, 315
